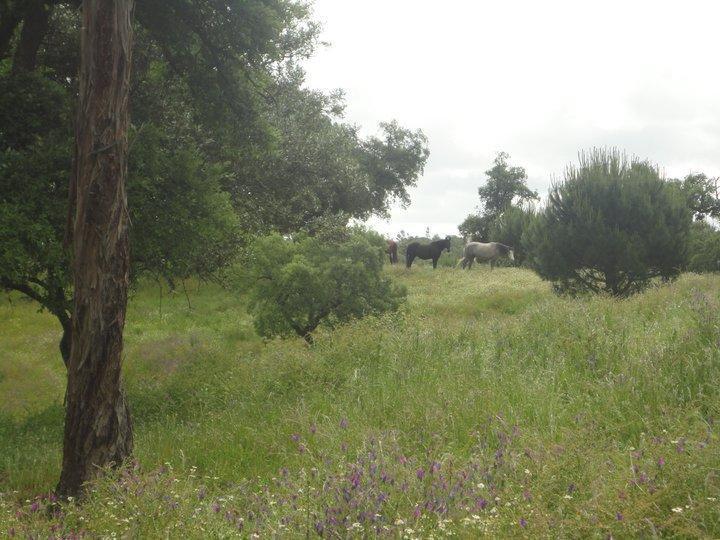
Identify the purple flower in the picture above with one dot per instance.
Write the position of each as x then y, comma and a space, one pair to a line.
382, 497
523, 523
434, 467
216, 507
527, 495
319, 528
402, 459
302, 448
481, 503
661, 461
35, 506
571, 489
313, 428
420, 473
355, 479
295, 437
417, 512
619, 516
201, 493
344, 423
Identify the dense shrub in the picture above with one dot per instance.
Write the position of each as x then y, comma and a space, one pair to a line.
704, 248
611, 226
303, 282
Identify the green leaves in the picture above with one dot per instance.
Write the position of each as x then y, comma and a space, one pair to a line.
300, 283
611, 226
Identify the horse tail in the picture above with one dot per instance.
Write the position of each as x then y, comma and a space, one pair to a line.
460, 261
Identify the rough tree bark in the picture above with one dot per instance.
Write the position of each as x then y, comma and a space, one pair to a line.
98, 430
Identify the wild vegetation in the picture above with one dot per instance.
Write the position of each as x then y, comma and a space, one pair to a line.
486, 405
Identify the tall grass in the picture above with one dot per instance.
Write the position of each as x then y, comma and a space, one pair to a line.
487, 406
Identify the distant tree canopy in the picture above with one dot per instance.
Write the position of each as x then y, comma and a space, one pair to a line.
505, 188
704, 248
702, 195
612, 225
226, 142
300, 283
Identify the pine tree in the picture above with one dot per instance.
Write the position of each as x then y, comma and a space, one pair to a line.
612, 225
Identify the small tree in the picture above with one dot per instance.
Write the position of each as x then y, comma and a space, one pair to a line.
505, 188
612, 225
301, 283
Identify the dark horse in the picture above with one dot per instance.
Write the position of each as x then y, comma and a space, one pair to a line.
425, 251
392, 251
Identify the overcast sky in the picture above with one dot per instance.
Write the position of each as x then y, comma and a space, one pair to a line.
537, 79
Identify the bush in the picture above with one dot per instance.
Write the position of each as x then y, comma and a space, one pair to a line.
611, 226
704, 248
303, 282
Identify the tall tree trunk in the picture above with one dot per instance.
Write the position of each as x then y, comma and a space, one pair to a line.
98, 431
35, 26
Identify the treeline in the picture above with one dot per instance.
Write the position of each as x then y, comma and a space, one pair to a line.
611, 224
226, 144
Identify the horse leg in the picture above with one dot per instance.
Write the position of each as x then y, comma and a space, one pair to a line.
470, 261
492, 264
409, 260
435, 260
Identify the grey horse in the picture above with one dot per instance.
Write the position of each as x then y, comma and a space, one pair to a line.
485, 252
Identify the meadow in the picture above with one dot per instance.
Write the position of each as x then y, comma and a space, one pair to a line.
487, 406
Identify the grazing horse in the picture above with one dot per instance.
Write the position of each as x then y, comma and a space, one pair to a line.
426, 251
485, 252
392, 251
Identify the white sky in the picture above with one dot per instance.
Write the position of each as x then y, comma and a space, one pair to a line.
537, 79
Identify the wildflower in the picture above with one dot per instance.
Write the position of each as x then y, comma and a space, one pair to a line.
571, 488
567, 496
527, 495
661, 461
313, 428
527, 471
215, 507
481, 503
523, 523
295, 437
344, 423
677, 509
35, 506
619, 516
420, 473
417, 512
434, 467
480, 486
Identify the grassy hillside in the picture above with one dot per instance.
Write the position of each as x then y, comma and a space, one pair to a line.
488, 405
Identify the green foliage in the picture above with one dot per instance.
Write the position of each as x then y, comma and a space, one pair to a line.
319, 167
612, 225
508, 229
704, 248
701, 193
505, 185
608, 405
35, 151
476, 227
504, 188
305, 281
183, 224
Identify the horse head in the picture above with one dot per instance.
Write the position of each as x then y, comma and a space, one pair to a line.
446, 243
